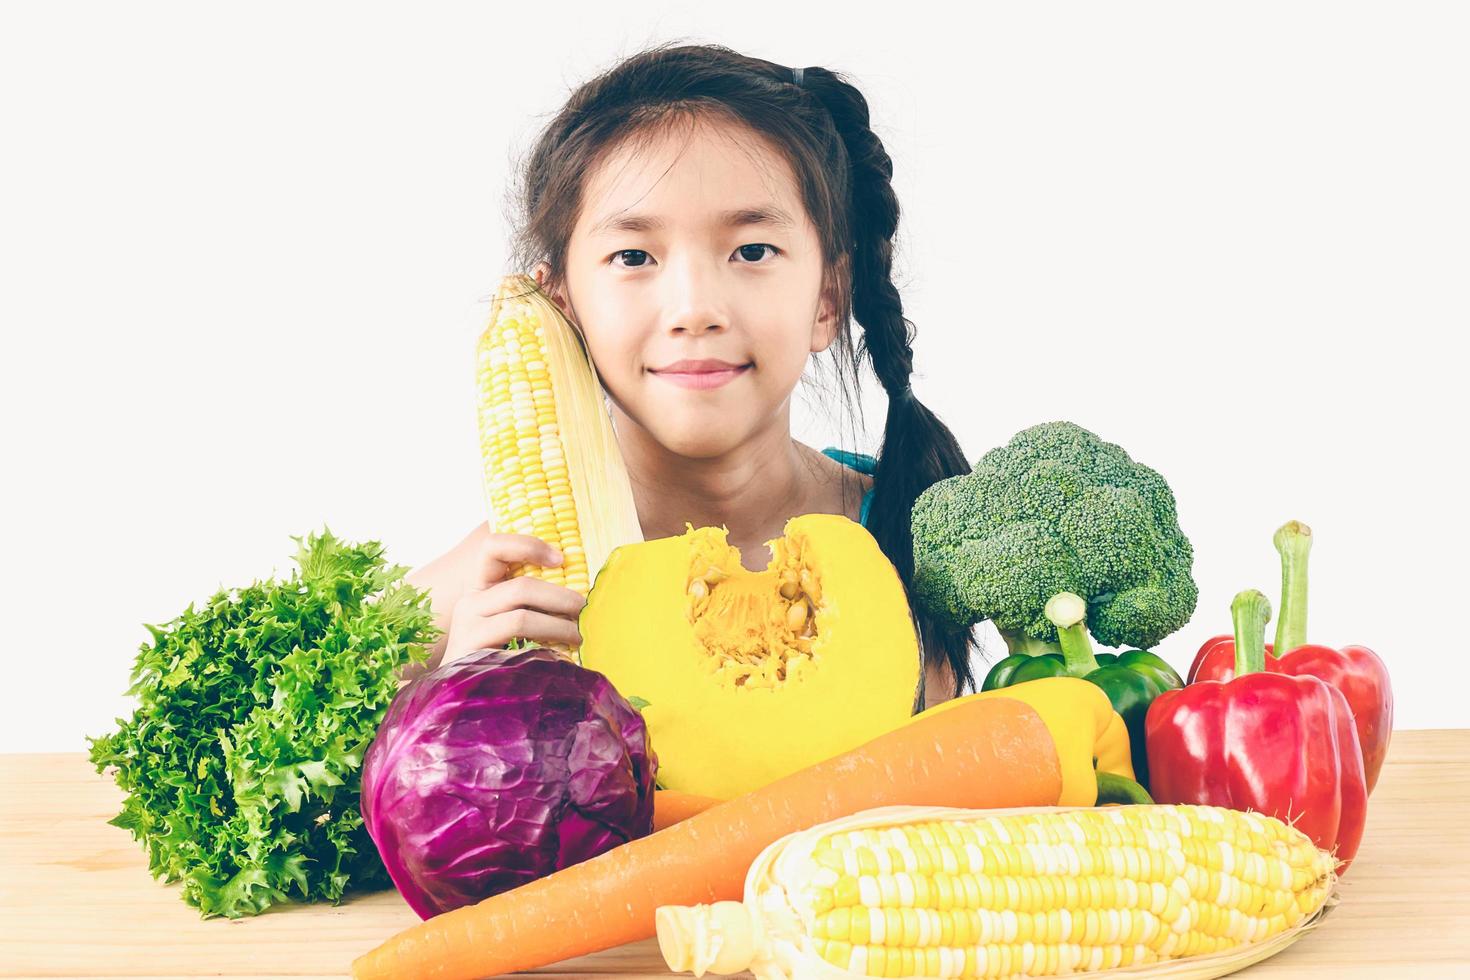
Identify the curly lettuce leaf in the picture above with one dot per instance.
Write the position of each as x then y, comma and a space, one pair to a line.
242, 762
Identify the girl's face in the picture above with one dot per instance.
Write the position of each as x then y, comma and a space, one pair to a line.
696, 277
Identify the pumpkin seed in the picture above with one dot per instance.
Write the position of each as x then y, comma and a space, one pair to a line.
809, 585
796, 615
790, 584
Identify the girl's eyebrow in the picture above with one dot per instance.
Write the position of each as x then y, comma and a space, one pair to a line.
764, 214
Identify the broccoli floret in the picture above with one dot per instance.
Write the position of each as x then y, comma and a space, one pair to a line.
1055, 510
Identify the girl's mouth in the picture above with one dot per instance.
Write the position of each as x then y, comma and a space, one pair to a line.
703, 378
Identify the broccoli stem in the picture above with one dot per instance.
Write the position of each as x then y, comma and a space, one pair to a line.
1250, 612
1294, 541
1068, 613
1028, 645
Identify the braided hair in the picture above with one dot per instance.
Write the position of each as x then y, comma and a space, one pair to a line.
820, 122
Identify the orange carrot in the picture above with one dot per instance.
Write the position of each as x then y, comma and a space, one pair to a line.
991, 753
671, 806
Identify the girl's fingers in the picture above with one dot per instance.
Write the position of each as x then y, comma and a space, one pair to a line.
498, 552
524, 592
471, 633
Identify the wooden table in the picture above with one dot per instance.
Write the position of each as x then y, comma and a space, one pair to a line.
76, 899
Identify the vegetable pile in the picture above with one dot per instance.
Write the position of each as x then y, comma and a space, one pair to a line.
241, 763
512, 793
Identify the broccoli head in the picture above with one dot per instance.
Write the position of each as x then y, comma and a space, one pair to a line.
1055, 510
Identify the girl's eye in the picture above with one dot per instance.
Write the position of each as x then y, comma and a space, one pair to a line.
631, 251
742, 250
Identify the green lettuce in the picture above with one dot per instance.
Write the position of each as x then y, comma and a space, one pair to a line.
242, 762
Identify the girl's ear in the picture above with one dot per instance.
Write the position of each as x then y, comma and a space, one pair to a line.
824, 330
541, 274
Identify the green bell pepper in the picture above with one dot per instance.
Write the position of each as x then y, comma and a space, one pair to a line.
1131, 679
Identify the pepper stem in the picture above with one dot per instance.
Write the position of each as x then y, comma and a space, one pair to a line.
1294, 541
1113, 788
1068, 613
1250, 612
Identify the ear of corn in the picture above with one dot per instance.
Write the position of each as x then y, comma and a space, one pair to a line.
552, 466
939, 892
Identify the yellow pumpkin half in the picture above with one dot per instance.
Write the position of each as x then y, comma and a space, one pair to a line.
750, 676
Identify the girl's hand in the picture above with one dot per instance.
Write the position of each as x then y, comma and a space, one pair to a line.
493, 608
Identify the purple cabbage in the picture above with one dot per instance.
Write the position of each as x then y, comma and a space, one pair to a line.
500, 768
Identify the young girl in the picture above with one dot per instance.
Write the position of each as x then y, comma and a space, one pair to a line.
709, 221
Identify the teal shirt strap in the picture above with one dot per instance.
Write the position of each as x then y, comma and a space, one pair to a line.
861, 462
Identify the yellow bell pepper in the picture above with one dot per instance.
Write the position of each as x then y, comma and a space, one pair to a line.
1091, 738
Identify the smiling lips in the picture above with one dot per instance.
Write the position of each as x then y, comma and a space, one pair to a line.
701, 374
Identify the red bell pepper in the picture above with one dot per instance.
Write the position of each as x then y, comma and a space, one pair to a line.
1356, 671
1279, 743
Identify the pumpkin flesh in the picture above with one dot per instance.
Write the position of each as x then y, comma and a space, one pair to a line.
752, 675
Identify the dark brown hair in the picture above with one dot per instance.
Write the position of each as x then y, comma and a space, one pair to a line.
844, 177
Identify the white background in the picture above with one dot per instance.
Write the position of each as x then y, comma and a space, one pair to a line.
244, 257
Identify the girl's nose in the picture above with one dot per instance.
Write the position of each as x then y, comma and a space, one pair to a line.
694, 299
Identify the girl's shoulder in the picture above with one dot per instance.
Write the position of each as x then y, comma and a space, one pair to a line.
861, 462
